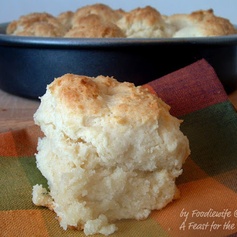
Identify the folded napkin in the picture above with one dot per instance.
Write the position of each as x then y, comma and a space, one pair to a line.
208, 185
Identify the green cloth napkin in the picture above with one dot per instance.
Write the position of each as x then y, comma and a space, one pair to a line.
208, 203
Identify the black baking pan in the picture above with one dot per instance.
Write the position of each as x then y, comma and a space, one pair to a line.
28, 64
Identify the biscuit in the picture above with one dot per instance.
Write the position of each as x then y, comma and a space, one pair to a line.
144, 22
94, 26
36, 24
110, 151
200, 24
66, 19
104, 11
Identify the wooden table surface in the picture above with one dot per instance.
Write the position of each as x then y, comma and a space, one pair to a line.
17, 112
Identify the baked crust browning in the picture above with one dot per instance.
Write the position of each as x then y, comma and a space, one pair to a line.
144, 22
101, 21
36, 24
200, 23
94, 26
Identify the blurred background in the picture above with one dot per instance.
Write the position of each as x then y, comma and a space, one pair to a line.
13, 9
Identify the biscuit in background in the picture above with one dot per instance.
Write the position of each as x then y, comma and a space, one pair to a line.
36, 24
200, 24
94, 26
66, 19
101, 21
146, 22
95, 21
104, 11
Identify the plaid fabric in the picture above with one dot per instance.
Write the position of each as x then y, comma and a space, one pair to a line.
208, 185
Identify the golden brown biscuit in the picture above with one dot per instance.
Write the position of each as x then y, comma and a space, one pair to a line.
94, 26
104, 11
66, 19
36, 24
200, 23
111, 151
144, 22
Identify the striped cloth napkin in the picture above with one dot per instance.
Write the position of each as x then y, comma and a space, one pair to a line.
208, 203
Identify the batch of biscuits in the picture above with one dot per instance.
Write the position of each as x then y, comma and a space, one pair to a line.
101, 21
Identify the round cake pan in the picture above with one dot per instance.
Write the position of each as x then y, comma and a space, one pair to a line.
29, 64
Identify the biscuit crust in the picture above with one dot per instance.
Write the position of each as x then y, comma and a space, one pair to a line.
36, 24
101, 21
